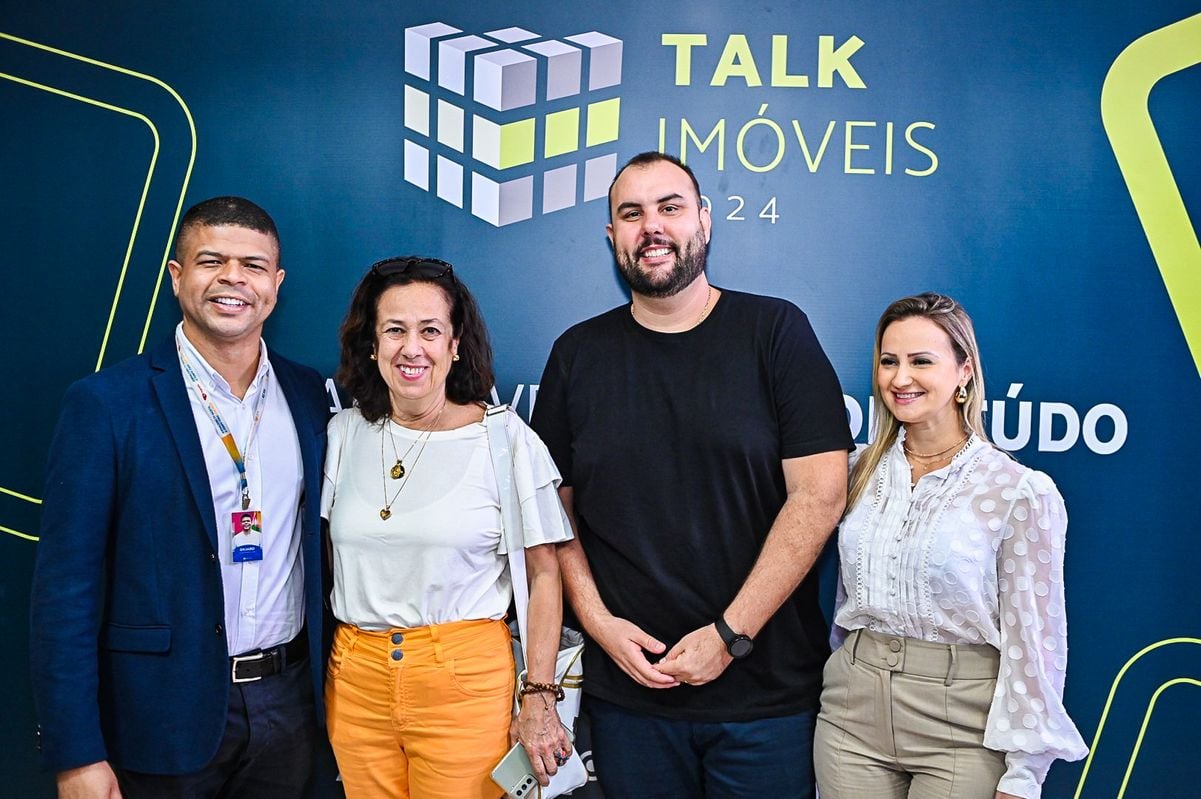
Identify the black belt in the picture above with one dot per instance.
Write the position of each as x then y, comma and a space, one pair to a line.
252, 666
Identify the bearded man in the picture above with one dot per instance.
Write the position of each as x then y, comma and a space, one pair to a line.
702, 438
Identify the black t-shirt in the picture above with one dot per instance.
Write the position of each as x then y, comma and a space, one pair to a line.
672, 444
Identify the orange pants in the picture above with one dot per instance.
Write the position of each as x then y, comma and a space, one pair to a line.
421, 712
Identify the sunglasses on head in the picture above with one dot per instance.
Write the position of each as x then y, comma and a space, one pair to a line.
414, 265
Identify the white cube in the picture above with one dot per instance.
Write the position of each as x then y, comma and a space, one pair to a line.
505, 79
450, 181
419, 46
511, 35
485, 141
450, 125
558, 188
417, 165
417, 110
502, 203
563, 66
598, 174
604, 58
452, 60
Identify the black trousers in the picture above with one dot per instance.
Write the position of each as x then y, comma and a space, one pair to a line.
267, 751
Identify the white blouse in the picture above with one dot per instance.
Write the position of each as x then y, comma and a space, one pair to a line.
440, 556
972, 554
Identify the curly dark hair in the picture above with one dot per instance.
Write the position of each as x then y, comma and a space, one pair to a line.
471, 377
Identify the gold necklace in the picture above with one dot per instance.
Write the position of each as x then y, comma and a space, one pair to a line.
936, 455
919, 468
385, 512
699, 319
398, 469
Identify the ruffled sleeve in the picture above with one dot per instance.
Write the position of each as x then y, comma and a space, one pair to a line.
1027, 719
537, 479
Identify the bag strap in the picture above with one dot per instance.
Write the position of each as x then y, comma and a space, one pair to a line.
510, 514
344, 428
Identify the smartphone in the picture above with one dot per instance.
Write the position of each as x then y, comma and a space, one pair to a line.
515, 774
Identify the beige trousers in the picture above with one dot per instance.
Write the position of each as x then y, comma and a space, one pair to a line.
905, 718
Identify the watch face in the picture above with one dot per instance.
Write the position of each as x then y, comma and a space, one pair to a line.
741, 646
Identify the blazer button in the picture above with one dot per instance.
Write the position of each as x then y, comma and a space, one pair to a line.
218, 629
212, 556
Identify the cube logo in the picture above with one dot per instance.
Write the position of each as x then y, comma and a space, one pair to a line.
508, 123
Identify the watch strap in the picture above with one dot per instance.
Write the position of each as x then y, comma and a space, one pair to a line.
737, 644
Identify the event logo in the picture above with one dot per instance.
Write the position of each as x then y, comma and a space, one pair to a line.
1125, 112
508, 122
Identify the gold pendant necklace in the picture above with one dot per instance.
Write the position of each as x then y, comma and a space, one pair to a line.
385, 512
398, 469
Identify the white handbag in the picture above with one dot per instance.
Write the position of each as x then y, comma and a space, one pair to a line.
569, 664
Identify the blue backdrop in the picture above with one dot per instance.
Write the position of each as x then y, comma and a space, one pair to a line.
853, 152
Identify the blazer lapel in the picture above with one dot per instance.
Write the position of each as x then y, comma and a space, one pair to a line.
307, 427
172, 395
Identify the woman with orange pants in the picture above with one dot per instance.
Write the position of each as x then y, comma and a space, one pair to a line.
419, 692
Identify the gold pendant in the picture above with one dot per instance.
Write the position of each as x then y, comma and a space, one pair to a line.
398, 471
385, 514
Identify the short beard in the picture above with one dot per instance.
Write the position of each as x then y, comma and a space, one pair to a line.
690, 264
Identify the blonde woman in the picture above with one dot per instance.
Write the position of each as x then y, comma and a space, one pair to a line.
950, 613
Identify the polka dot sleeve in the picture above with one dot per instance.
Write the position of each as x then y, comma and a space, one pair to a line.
1027, 719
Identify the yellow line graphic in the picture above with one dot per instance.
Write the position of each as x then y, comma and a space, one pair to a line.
137, 221
1113, 690
183, 190
18, 533
1142, 730
141, 202
1145, 168
19, 495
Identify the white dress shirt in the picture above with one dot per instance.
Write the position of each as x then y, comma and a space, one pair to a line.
264, 599
972, 554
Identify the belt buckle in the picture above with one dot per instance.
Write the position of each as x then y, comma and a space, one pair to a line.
236, 659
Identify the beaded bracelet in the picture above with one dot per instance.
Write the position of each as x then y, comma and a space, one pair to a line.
528, 688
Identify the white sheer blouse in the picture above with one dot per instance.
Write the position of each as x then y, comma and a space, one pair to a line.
972, 554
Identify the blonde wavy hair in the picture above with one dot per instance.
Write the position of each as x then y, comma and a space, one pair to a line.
954, 321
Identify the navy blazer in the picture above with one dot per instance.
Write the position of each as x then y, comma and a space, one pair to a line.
128, 647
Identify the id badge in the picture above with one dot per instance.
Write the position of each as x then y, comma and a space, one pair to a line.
246, 527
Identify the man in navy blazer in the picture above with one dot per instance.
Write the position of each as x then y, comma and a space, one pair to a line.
165, 663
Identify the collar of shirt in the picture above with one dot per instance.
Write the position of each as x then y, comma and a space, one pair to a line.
264, 600
960, 460
212, 377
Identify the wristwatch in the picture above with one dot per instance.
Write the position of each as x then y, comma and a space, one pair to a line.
737, 644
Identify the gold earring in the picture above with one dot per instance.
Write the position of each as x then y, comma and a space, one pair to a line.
961, 395
455, 357
373, 356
